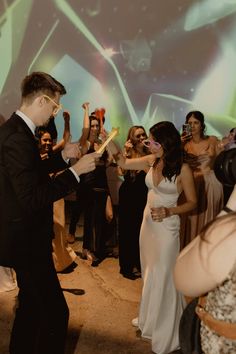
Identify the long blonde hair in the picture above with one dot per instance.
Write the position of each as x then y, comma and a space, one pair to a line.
133, 152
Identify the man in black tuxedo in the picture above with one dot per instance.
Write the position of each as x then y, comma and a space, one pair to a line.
27, 194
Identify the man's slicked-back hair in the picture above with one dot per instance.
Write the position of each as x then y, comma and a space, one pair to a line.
41, 82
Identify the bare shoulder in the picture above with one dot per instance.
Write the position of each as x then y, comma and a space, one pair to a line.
213, 139
185, 169
150, 159
186, 178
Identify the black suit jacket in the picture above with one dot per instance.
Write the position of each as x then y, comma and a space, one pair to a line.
27, 194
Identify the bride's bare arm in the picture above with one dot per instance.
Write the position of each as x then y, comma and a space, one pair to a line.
140, 163
186, 183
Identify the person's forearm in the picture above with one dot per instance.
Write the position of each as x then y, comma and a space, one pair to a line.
66, 133
184, 208
59, 146
116, 153
86, 123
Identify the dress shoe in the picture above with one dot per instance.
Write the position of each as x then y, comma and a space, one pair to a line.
135, 322
129, 275
95, 262
70, 238
97, 259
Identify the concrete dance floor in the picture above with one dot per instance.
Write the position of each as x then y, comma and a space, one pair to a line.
102, 304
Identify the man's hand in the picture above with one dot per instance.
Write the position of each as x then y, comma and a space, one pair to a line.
86, 164
71, 151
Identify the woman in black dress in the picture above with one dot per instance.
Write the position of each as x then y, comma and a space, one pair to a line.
132, 200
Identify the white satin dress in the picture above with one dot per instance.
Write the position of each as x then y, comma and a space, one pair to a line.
161, 305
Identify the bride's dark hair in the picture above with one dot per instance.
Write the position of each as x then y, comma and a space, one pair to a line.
168, 136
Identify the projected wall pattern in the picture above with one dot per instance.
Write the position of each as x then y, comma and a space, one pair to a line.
144, 61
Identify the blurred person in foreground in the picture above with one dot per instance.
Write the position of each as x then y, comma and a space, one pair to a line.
206, 268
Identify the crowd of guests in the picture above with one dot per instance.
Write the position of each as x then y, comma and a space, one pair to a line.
169, 199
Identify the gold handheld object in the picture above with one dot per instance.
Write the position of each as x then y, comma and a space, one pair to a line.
111, 135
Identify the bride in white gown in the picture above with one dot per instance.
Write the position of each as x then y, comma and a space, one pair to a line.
161, 305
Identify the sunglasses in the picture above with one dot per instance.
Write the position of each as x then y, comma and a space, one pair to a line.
58, 106
138, 136
151, 143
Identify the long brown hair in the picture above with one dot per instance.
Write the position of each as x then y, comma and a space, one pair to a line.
168, 136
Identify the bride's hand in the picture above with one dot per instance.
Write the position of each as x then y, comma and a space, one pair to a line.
160, 213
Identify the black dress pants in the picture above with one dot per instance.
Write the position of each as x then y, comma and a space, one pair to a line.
78, 207
95, 230
42, 314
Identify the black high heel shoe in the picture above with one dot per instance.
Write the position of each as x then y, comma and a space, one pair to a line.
95, 262
129, 275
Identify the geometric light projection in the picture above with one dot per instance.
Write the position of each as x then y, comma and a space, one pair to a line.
143, 61
208, 11
13, 24
74, 18
80, 86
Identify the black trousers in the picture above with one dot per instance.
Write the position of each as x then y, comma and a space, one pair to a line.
78, 206
42, 314
95, 224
